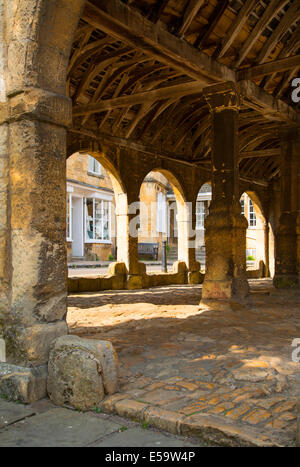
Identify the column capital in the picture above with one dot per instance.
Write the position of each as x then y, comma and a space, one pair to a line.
223, 96
37, 104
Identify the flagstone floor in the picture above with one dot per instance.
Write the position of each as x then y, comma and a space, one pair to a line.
234, 365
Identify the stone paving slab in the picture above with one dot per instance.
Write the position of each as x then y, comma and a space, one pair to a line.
140, 437
11, 412
51, 426
57, 427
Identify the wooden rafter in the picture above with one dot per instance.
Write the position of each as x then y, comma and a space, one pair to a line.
236, 26
158, 10
213, 21
178, 91
272, 9
190, 13
287, 21
126, 24
274, 66
260, 153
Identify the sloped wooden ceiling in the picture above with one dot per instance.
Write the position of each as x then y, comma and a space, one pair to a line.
138, 67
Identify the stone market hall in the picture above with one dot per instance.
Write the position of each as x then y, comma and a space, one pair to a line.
199, 91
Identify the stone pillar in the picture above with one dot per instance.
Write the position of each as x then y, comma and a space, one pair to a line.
225, 285
286, 236
267, 248
127, 241
186, 223
36, 240
297, 151
35, 43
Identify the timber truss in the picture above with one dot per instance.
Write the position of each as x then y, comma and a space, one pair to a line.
138, 68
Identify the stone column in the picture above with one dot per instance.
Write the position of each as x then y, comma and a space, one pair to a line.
286, 236
297, 191
127, 242
186, 223
36, 240
267, 248
225, 285
35, 44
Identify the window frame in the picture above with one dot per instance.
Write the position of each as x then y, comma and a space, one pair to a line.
251, 215
94, 162
69, 213
200, 215
97, 240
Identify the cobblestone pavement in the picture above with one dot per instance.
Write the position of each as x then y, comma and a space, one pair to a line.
236, 366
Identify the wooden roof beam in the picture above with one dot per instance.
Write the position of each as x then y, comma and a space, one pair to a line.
189, 14
274, 66
158, 10
266, 18
128, 25
175, 91
259, 153
286, 22
236, 26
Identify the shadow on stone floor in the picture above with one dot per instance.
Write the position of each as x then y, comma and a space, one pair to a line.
234, 364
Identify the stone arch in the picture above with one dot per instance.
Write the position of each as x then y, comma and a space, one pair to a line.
120, 195
263, 242
183, 211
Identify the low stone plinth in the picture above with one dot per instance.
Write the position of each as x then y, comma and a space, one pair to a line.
81, 372
177, 276
22, 384
115, 280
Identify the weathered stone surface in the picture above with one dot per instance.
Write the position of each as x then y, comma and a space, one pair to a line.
225, 284
31, 345
23, 384
298, 424
220, 432
163, 419
11, 413
134, 281
58, 427
116, 279
81, 372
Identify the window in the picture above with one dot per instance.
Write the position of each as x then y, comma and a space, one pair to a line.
69, 217
94, 166
97, 218
161, 213
252, 216
200, 214
242, 201
251, 253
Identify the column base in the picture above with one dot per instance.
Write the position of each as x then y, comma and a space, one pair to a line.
210, 304
286, 281
195, 277
23, 384
225, 295
134, 281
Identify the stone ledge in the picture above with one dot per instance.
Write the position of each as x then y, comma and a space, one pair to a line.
23, 384
40, 105
211, 428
